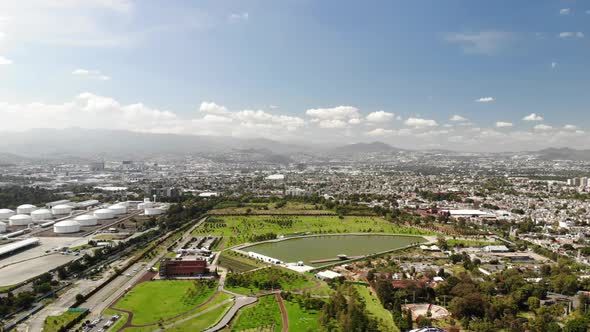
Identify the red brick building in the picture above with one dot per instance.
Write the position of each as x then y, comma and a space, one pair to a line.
182, 268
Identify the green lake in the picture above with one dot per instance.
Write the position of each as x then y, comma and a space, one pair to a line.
330, 246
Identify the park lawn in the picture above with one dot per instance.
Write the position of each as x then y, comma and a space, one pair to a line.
263, 314
301, 319
230, 260
376, 310
219, 298
242, 229
153, 301
288, 280
203, 321
120, 322
55, 323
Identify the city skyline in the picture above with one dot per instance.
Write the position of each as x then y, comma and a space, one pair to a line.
460, 75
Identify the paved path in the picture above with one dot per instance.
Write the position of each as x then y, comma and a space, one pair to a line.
283, 312
169, 326
239, 303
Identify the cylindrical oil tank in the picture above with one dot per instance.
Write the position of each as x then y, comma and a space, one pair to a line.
118, 209
66, 226
25, 209
87, 220
153, 211
5, 214
2, 227
145, 205
104, 214
61, 209
20, 220
41, 214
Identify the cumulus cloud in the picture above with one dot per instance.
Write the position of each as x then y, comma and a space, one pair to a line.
379, 132
5, 61
212, 108
485, 42
380, 117
457, 118
570, 127
502, 124
335, 117
533, 117
91, 74
485, 100
571, 34
420, 123
543, 127
565, 11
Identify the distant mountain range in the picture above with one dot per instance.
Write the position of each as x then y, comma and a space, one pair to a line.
92, 144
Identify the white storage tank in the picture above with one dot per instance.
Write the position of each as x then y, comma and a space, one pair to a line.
145, 205
118, 209
25, 209
2, 227
153, 211
41, 214
104, 214
66, 226
87, 220
20, 220
61, 209
5, 214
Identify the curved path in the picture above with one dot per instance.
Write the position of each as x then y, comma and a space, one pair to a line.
283, 312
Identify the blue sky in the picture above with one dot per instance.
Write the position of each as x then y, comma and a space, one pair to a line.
472, 75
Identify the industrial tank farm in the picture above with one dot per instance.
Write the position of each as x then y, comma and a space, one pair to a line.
41, 215
5, 214
118, 209
61, 209
87, 220
20, 220
66, 227
2, 227
103, 214
25, 209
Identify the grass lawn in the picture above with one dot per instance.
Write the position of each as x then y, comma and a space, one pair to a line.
120, 322
241, 229
301, 319
271, 209
202, 322
263, 314
237, 263
153, 301
375, 309
54, 323
266, 279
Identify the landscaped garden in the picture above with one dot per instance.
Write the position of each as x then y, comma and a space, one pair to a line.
271, 278
264, 315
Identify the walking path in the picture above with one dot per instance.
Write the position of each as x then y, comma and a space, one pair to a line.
283, 312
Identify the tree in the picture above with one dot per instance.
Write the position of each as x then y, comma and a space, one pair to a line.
576, 325
80, 298
533, 302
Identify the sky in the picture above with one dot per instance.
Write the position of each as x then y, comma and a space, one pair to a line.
462, 75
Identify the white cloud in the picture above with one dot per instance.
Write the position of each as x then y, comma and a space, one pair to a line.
553, 65
335, 117
420, 123
533, 117
379, 132
571, 34
457, 118
91, 74
5, 61
380, 117
565, 11
238, 17
212, 108
503, 124
485, 100
570, 127
543, 127
485, 42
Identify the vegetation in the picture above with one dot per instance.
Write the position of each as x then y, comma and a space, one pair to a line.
265, 314
59, 323
11, 197
272, 278
154, 301
346, 311
302, 311
241, 229
203, 321
376, 309
236, 263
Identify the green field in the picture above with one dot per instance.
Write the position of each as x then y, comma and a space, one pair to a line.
55, 323
203, 321
376, 310
272, 278
153, 301
241, 229
233, 208
301, 319
230, 260
120, 322
263, 314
